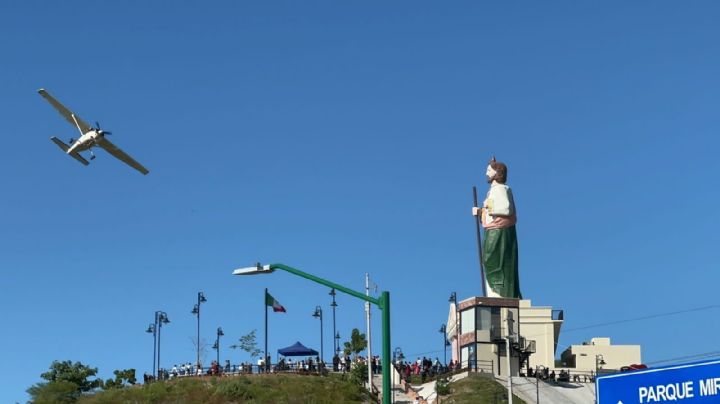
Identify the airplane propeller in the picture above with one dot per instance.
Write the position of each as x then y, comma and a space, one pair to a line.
100, 131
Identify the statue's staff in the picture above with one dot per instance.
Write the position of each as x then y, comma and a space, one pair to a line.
479, 242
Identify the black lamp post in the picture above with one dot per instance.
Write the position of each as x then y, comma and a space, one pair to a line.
196, 311
398, 355
337, 343
151, 330
318, 314
599, 362
160, 319
334, 305
443, 331
216, 347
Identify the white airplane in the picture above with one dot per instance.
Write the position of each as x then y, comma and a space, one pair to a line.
89, 137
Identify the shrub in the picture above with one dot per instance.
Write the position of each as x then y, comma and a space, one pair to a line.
442, 386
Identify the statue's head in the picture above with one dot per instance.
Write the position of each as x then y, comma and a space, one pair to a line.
496, 171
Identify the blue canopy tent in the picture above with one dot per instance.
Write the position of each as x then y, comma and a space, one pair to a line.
297, 349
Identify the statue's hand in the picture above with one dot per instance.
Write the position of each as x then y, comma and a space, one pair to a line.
477, 211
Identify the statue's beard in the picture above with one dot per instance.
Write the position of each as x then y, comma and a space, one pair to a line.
490, 179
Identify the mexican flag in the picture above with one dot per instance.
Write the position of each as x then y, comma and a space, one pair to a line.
276, 306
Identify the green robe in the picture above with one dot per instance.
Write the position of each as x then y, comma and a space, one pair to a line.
500, 261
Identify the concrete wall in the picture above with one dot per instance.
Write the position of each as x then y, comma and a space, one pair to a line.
537, 324
615, 356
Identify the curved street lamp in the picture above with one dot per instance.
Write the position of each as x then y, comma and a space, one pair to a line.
383, 303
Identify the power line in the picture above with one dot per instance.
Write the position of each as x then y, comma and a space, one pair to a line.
629, 320
649, 317
703, 355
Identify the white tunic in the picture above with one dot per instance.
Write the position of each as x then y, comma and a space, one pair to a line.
499, 207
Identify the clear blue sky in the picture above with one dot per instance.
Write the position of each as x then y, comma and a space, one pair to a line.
345, 138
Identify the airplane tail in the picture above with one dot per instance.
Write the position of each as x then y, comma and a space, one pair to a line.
65, 148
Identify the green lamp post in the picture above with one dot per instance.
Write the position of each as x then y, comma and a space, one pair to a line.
383, 303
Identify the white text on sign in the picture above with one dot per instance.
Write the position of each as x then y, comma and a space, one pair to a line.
678, 391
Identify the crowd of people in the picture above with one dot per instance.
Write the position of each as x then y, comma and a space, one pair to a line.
188, 369
344, 363
308, 364
341, 363
563, 376
425, 368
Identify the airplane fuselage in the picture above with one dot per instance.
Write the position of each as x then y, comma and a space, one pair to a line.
86, 141
89, 138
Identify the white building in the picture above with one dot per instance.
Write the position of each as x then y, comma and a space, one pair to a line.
599, 354
485, 324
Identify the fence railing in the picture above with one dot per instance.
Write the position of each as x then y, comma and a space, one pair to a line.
235, 370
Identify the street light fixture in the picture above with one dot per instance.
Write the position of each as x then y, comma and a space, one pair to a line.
334, 305
318, 314
383, 303
160, 319
443, 331
216, 347
599, 362
151, 330
196, 311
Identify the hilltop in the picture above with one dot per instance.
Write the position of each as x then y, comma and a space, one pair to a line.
282, 388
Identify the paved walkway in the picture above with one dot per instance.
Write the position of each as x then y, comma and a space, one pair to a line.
552, 392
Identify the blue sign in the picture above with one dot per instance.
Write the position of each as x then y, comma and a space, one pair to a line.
681, 384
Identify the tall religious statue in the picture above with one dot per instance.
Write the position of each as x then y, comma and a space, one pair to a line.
500, 246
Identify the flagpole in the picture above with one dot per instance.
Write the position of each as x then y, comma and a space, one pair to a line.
265, 364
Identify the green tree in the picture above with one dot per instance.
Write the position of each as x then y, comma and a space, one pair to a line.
55, 392
122, 379
358, 374
66, 381
248, 343
356, 344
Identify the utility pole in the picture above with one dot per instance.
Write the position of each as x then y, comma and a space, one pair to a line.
507, 353
537, 386
369, 336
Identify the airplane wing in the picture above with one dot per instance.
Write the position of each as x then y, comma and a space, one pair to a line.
65, 148
121, 155
66, 113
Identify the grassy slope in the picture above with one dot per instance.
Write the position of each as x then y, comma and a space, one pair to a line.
476, 389
241, 389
